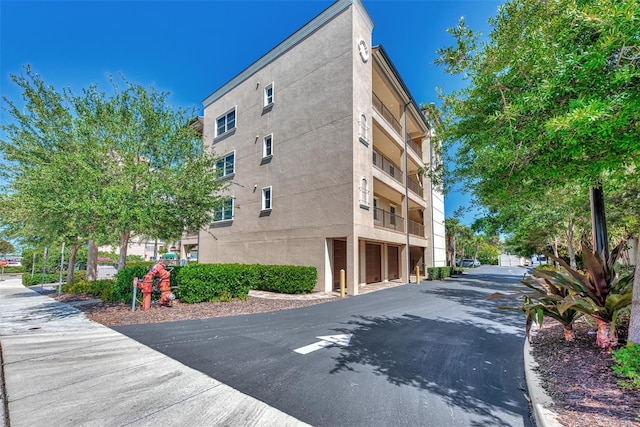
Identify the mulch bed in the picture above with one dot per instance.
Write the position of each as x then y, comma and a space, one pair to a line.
578, 377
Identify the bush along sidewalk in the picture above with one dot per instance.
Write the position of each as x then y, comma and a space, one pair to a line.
437, 273
220, 282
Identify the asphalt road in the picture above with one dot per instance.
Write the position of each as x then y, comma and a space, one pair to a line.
434, 354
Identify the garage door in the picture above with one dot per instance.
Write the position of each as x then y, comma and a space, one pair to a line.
394, 271
374, 264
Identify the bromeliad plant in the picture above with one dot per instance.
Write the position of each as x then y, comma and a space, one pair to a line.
601, 293
543, 299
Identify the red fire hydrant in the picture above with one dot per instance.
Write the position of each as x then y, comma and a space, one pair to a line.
166, 296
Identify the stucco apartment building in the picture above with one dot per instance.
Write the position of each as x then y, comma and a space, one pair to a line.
312, 138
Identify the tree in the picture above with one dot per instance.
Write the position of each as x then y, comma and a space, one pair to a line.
103, 167
551, 79
6, 248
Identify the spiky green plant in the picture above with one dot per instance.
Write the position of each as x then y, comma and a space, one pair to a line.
601, 293
543, 299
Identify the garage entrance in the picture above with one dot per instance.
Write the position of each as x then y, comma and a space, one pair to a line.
393, 263
374, 263
339, 261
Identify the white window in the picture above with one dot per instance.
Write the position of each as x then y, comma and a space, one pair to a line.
363, 129
266, 199
226, 166
225, 211
267, 146
226, 122
268, 95
364, 193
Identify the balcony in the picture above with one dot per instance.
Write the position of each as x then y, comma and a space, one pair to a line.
388, 116
414, 146
387, 166
416, 228
415, 187
388, 220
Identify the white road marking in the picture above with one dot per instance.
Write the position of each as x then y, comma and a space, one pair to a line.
326, 341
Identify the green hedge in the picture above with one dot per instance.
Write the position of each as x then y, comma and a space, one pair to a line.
99, 288
286, 279
201, 282
211, 282
27, 280
436, 273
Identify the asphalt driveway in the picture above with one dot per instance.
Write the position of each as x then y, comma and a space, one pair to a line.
434, 354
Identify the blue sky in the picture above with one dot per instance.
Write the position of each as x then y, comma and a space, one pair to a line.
190, 48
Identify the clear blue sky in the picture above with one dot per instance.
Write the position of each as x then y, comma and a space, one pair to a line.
190, 48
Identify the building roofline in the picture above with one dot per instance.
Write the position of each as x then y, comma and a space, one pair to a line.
309, 28
396, 74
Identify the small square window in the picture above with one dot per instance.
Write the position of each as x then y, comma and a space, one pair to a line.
266, 199
226, 166
268, 95
225, 211
267, 146
226, 122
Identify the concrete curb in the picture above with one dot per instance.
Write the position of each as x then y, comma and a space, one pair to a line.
540, 400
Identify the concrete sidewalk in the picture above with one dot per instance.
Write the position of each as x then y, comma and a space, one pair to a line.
61, 369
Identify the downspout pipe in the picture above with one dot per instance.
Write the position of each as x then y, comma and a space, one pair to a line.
406, 193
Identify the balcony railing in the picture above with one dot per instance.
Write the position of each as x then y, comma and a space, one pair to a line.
388, 116
414, 146
415, 187
388, 220
387, 166
416, 228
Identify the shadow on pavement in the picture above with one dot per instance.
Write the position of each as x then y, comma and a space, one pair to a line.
481, 380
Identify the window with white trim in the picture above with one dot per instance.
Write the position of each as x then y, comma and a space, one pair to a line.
266, 199
268, 95
364, 193
226, 122
225, 211
363, 129
267, 146
226, 166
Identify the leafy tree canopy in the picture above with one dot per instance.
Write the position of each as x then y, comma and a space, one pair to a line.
102, 166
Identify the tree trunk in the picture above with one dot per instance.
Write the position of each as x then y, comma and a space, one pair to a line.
555, 249
92, 262
568, 333
599, 223
72, 262
124, 245
605, 337
634, 322
572, 252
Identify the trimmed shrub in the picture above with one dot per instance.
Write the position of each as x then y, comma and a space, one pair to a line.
122, 290
286, 279
27, 280
433, 273
446, 271
211, 282
97, 288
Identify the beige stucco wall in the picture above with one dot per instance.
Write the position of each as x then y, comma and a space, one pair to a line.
311, 169
321, 87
